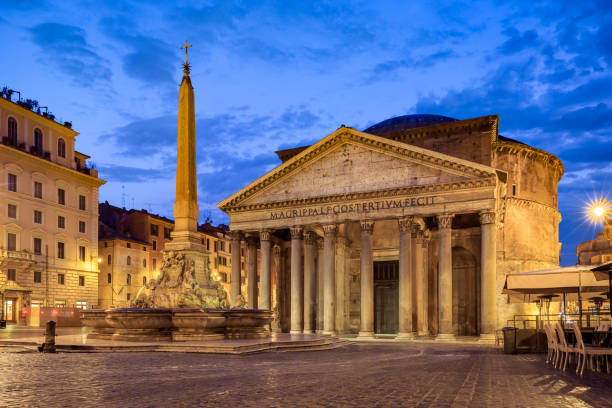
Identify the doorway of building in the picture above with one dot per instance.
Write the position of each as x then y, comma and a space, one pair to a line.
386, 297
465, 293
10, 312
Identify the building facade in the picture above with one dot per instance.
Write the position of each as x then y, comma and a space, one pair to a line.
48, 219
407, 228
599, 250
130, 248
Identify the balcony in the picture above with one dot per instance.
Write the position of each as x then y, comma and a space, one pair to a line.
6, 254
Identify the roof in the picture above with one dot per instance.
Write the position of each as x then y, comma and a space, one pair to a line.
407, 122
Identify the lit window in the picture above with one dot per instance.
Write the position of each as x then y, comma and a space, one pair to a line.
81, 304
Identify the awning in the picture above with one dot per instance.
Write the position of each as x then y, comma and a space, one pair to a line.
569, 280
602, 272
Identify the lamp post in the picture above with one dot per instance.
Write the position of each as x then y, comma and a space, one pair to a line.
601, 211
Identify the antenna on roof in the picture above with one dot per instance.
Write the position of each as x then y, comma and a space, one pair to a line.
123, 196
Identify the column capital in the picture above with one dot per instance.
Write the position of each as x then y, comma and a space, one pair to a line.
487, 217
296, 232
235, 235
329, 230
445, 221
367, 226
264, 235
310, 237
405, 223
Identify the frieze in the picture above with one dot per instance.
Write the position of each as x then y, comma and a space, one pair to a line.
357, 208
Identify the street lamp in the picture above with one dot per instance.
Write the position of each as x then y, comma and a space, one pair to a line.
599, 210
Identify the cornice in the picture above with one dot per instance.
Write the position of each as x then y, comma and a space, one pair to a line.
13, 107
349, 135
388, 193
521, 202
530, 152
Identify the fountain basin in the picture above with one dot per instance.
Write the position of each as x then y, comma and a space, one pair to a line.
166, 324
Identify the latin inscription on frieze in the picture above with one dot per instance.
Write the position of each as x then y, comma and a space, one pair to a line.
355, 208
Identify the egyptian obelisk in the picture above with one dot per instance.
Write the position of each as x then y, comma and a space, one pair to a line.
185, 237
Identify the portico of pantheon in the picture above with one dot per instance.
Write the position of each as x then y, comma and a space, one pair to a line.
405, 229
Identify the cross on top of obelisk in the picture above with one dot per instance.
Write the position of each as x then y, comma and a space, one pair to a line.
186, 65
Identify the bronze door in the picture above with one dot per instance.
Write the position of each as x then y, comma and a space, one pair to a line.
386, 297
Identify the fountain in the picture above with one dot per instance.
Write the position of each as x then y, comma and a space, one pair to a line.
183, 303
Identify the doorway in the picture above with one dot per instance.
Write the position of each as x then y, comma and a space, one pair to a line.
386, 297
10, 310
465, 293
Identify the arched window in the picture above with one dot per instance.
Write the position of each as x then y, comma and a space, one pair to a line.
129, 260
108, 259
129, 279
109, 278
61, 147
38, 140
12, 131
144, 263
144, 280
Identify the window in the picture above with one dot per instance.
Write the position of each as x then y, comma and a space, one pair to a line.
167, 233
11, 241
154, 229
37, 277
37, 246
12, 131
154, 245
222, 246
207, 244
11, 274
144, 248
37, 189
216, 262
128, 279
81, 280
12, 211
129, 296
144, 263
105, 244
223, 276
12, 182
38, 140
61, 147
216, 244
82, 253
144, 280
514, 189
202, 241
60, 250
37, 217
154, 263
109, 277
128, 245
61, 278
61, 221
81, 304
82, 227
129, 260
108, 259
82, 203
61, 196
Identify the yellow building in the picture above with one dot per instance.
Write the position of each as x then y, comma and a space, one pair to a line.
130, 247
48, 217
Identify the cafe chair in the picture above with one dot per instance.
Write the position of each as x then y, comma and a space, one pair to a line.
586, 353
565, 350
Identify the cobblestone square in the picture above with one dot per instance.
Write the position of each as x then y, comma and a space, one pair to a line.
372, 375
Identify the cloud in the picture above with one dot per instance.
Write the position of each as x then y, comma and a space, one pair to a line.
128, 174
426, 61
518, 41
66, 48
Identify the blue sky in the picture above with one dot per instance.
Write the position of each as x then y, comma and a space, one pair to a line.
276, 74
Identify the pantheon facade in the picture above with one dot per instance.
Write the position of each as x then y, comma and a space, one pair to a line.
405, 229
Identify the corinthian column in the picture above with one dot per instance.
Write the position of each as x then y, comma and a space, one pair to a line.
296, 280
488, 253
425, 262
320, 280
235, 277
418, 283
367, 280
445, 278
252, 272
309, 281
405, 289
265, 270
329, 291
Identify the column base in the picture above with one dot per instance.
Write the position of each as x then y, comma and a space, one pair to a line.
487, 338
308, 331
422, 333
295, 332
405, 336
365, 335
328, 333
446, 337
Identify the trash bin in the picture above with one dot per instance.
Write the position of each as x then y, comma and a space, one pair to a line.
2, 324
510, 340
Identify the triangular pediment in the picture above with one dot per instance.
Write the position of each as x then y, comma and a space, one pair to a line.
351, 162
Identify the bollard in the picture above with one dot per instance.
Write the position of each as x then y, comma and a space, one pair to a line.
49, 344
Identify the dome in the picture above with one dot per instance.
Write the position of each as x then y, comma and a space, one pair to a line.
405, 122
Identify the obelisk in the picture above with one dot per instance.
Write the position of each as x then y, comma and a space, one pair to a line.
185, 237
